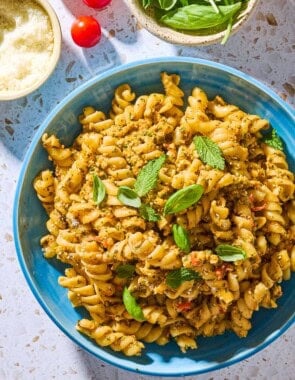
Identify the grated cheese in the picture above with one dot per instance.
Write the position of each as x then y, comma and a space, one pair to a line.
26, 44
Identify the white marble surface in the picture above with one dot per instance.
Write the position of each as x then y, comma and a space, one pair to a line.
31, 346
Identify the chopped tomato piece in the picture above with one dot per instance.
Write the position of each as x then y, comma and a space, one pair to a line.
184, 306
255, 208
259, 208
195, 262
221, 271
251, 198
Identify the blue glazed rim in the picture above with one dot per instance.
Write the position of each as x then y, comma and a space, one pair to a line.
105, 356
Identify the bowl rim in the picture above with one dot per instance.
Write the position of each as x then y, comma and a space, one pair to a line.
56, 52
174, 36
99, 352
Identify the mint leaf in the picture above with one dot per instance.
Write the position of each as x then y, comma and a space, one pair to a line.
181, 238
209, 152
176, 277
148, 213
99, 190
273, 139
183, 199
131, 306
228, 252
125, 270
128, 197
148, 176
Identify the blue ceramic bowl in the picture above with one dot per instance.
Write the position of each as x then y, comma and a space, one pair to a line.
29, 216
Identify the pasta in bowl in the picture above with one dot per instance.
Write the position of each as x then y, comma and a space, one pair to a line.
169, 217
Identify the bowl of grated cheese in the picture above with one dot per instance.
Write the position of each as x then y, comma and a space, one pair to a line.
30, 45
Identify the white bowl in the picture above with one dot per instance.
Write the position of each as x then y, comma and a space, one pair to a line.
193, 38
51, 64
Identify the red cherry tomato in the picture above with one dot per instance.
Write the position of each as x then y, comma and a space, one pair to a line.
86, 31
97, 3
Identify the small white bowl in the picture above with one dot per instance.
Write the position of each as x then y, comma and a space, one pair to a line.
54, 57
192, 38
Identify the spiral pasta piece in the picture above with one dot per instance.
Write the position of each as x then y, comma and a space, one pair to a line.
44, 185
244, 308
61, 156
280, 179
122, 98
221, 224
105, 336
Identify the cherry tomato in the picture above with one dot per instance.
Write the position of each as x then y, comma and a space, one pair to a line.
97, 3
86, 31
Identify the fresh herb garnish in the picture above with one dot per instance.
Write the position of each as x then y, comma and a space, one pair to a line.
228, 252
131, 306
99, 190
128, 197
176, 277
199, 16
145, 181
273, 139
183, 199
181, 238
148, 213
148, 176
196, 15
125, 270
209, 152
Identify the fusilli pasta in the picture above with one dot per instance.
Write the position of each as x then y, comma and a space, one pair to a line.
138, 279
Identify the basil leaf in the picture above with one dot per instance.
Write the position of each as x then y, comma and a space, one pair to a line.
148, 176
273, 139
148, 213
181, 238
183, 199
197, 16
131, 306
176, 277
99, 190
228, 252
125, 270
128, 197
209, 152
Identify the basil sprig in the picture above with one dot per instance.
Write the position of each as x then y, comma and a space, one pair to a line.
128, 197
181, 238
209, 152
131, 306
145, 181
273, 139
227, 252
148, 176
183, 199
176, 277
99, 190
125, 270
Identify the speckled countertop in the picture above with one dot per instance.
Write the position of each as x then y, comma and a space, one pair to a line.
31, 346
